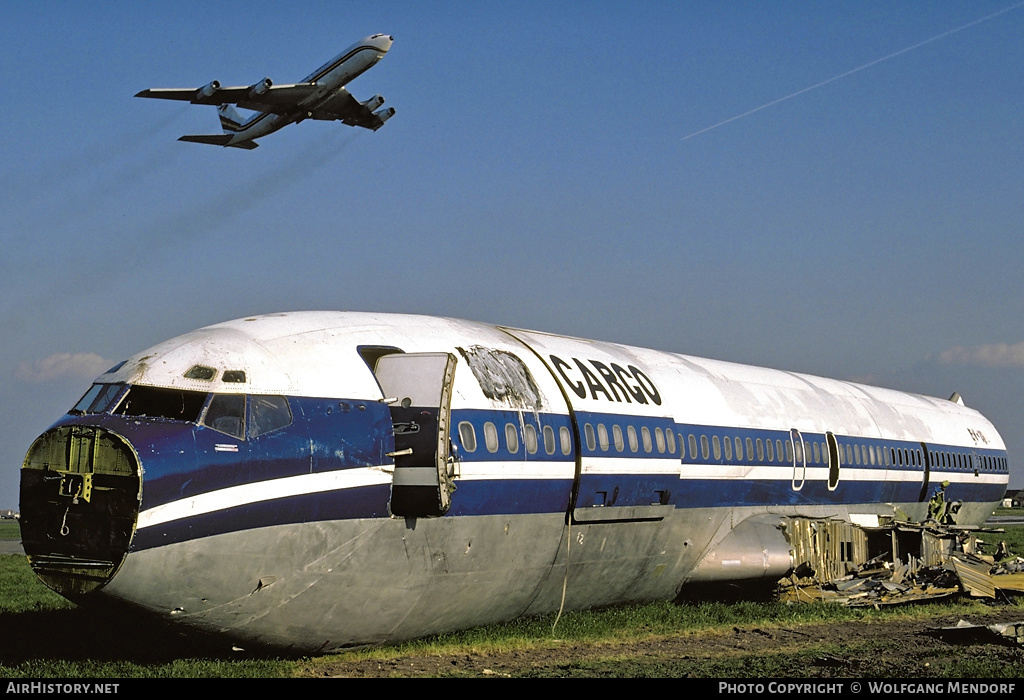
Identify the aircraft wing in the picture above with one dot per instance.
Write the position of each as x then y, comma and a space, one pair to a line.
283, 100
261, 97
343, 107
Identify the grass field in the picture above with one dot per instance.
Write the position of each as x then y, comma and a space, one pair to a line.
10, 530
55, 639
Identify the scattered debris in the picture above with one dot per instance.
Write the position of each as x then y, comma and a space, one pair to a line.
893, 562
966, 633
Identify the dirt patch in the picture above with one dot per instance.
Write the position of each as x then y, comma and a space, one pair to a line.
891, 649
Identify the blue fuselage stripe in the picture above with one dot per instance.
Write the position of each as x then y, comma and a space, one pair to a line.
645, 460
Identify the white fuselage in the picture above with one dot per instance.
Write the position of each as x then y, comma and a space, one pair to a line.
317, 480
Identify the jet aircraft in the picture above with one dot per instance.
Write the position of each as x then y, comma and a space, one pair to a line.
322, 95
319, 480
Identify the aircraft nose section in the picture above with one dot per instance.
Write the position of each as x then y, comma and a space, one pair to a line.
382, 41
80, 488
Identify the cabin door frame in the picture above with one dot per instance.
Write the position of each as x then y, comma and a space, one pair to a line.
418, 390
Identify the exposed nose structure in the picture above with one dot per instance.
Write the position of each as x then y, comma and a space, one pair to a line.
80, 495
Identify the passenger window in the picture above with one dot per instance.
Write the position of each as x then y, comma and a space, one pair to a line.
226, 414
588, 433
703, 445
602, 437
491, 436
750, 450
633, 444
566, 440
670, 438
716, 447
645, 435
268, 413
760, 450
511, 438
693, 447
728, 449
530, 438
468, 436
659, 440
549, 439
771, 454
617, 438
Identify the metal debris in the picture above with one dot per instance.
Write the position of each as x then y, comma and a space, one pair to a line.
909, 562
965, 632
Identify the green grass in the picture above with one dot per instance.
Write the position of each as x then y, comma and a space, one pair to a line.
1014, 538
10, 530
56, 639
659, 620
21, 591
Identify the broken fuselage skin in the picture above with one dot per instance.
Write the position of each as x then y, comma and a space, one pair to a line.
318, 480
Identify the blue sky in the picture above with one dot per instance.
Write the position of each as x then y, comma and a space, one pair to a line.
538, 174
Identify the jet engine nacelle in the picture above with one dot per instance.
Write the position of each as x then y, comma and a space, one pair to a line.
374, 102
208, 89
259, 88
384, 115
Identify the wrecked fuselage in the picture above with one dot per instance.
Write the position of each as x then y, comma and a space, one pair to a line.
319, 480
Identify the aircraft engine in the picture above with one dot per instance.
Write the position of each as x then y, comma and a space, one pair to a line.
208, 90
259, 88
756, 548
385, 114
374, 102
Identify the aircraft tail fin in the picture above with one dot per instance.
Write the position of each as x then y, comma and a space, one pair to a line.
230, 120
218, 140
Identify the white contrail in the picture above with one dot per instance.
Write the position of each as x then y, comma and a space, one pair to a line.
854, 70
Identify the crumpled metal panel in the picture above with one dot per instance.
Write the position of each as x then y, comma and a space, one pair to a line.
974, 577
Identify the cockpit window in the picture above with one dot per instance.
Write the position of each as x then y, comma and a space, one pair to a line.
226, 414
268, 413
201, 372
98, 399
153, 402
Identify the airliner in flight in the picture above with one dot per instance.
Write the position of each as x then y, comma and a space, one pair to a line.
322, 95
318, 480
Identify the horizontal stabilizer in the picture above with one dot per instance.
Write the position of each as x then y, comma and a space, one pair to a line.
218, 140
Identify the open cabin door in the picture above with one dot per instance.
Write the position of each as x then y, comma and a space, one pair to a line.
420, 385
